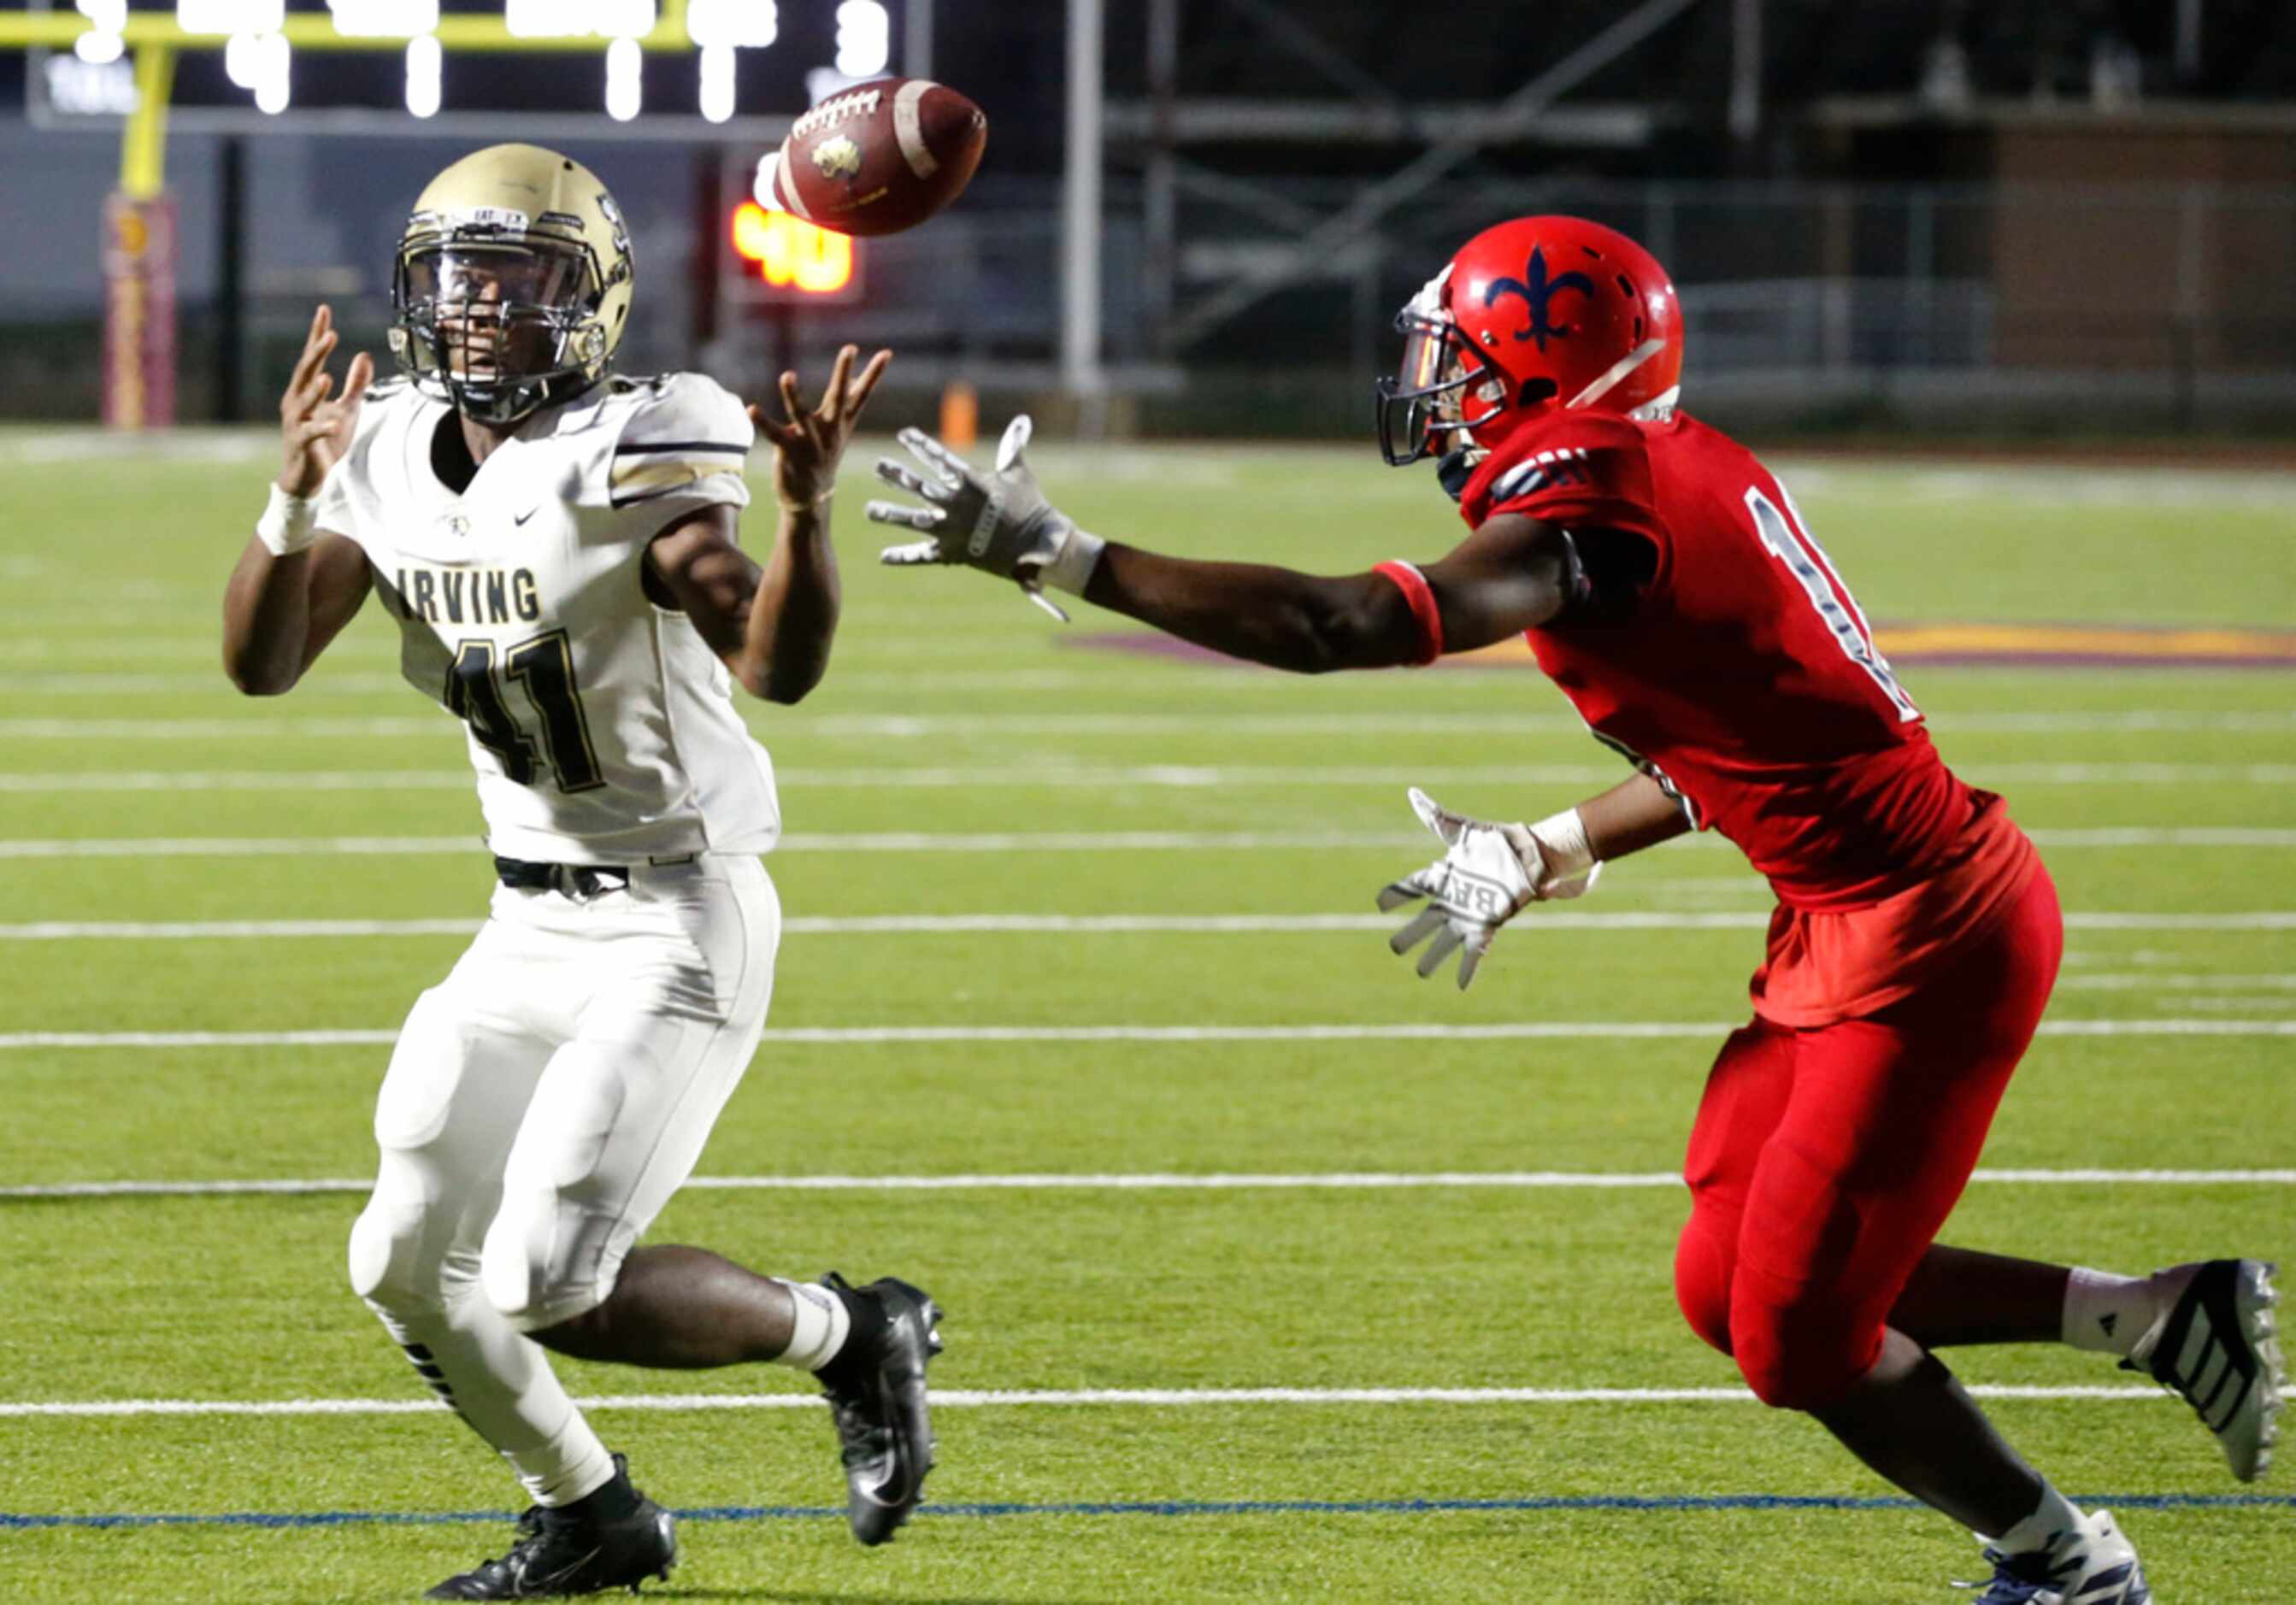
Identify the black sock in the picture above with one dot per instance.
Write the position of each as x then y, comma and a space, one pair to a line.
867, 1314
608, 1503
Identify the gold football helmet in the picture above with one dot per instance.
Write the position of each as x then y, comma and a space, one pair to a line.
513, 284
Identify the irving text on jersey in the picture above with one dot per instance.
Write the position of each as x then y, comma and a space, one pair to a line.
469, 595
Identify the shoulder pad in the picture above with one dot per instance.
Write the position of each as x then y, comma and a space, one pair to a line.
673, 407
1569, 468
680, 432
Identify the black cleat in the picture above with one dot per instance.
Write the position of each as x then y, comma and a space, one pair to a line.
558, 1554
885, 1429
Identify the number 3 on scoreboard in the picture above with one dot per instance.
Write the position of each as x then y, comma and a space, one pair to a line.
545, 665
1791, 542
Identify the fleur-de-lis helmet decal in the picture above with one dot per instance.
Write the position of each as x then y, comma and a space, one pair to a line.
1538, 292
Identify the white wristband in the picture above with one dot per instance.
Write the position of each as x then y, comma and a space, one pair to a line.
1071, 570
1563, 843
289, 524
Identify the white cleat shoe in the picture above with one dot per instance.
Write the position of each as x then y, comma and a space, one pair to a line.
2093, 1565
2217, 1345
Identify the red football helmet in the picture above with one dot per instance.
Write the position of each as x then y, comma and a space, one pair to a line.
1532, 314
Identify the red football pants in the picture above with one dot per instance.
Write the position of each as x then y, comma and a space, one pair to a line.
1824, 1160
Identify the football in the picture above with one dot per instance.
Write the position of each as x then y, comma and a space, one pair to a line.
877, 158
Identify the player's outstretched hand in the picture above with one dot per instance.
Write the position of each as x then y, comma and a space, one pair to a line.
313, 431
1487, 875
998, 523
809, 442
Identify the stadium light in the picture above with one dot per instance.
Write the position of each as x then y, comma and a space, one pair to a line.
624, 79
791, 253
545, 18
101, 44
240, 64
580, 19
864, 38
623, 19
385, 19
82, 88
229, 16
718, 82
752, 24
425, 64
272, 64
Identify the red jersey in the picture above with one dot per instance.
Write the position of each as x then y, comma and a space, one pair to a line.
1744, 677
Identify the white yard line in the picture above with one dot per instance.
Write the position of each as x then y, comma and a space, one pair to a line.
2152, 981
136, 450
990, 841
338, 681
2149, 836
255, 727
2258, 919
1500, 723
1162, 776
76, 782
199, 1039
1123, 777
1155, 1182
972, 1398
1410, 1031
207, 930
874, 925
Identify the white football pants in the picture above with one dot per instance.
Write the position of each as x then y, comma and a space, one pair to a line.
543, 1103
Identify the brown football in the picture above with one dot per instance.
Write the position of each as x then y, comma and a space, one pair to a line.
879, 157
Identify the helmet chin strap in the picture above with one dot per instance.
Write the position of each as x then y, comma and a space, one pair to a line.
1616, 374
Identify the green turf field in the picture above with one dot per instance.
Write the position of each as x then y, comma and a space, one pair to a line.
1197, 848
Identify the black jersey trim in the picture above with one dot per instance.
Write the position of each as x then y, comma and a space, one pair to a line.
615, 503
627, 448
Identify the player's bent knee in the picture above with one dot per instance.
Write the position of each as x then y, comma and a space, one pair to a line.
388, 1267
542, 1263
1792, 1361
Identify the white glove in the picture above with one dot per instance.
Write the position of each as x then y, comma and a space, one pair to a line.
1488, 873
1000, 523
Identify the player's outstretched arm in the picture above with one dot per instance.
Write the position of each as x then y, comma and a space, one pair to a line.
1509, 575
774, 624
297, 585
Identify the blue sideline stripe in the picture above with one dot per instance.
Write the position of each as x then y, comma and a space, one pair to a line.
1177, 1507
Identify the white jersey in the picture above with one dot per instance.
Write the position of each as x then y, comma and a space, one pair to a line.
601, 726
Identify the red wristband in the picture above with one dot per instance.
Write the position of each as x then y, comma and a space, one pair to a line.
1413, 585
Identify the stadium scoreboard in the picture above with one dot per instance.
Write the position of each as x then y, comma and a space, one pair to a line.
728, 72
635, 63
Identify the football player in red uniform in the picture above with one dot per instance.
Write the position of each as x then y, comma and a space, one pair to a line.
1673, 590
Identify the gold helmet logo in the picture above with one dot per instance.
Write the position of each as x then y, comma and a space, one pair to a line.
837, 158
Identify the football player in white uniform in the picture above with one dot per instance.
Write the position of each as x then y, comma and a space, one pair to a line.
559, 549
